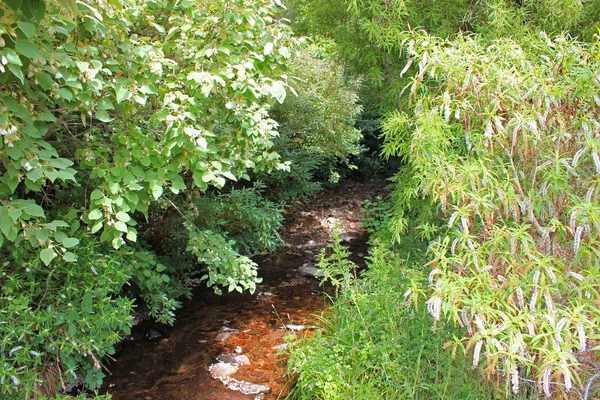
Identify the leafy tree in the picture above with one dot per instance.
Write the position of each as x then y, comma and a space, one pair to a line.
111, 109
316, 123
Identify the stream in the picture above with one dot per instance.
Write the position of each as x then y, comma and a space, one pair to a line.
232, 346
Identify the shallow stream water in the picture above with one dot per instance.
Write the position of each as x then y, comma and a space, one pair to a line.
176, 363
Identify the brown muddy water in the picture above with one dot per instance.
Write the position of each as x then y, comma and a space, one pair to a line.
247, 332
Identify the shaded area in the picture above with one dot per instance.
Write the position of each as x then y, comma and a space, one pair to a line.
175, 365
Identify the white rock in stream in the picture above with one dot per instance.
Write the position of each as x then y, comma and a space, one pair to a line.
246, 387
222, 370
238, 359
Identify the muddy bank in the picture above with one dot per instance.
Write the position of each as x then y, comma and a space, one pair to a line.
244, 334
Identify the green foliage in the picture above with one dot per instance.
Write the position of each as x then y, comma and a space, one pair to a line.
376, 344
63, 319
303, 178
503, 141
317, 123
107, 109
322, 116
243, 215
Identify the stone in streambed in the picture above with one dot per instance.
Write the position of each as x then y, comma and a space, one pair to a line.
238, 359
222, 370
309, 271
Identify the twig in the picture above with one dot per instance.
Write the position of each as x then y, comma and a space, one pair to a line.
588, 387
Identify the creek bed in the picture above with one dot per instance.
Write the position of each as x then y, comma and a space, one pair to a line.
175, 363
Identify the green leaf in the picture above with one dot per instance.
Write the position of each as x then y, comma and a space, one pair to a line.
44, 80
29, 50
35, 174
69, 257
35, 9
123, 217
121, 226
121, 93
14, 4
103, 116
278, 92
47, 255
208, 176
70, 242
131, 235
27, 28
34, 210
12, 57
97, 227
6, 223
15, 214
95, 214
220, 182
96, 194
65, 94
17, 72
15, 107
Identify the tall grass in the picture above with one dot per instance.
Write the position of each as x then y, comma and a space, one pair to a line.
378, 344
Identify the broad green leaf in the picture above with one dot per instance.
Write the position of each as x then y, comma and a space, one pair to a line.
65, 94
27, 28
47, 255
34, 210
121, 93
121, 226
6, 222
15, 213
95, 214
35, 174
70, 242
97, 227
29, 50
69, 257
103, 116
122, 216
17, 72
278, 92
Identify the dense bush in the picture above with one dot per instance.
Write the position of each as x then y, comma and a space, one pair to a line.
375, 344
504, 139
111, 111
316, 123
493, 106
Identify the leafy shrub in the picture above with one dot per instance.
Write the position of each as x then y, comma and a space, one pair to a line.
58, 323
243, 215
376, 344
108, 108
504, 141
317, 123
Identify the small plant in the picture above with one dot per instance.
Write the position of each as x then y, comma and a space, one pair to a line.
333, 260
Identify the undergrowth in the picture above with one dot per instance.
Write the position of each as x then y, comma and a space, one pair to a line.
377, 343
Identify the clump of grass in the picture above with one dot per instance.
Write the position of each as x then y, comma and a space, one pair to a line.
378, 344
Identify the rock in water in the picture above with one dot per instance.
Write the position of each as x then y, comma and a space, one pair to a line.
222, 370
308, 271
153, 334
238, 359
